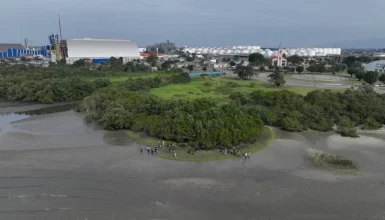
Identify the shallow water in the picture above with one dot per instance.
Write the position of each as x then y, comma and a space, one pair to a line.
55, 166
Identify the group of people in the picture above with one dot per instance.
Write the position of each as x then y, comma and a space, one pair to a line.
172, 147
152, 150
155, 150
237, 153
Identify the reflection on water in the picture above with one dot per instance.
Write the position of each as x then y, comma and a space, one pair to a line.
119, 138
49, 110
6, 119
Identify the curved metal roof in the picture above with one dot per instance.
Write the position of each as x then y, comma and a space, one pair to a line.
5, 47
96, 48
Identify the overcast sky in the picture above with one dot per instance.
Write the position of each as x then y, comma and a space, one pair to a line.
195, 22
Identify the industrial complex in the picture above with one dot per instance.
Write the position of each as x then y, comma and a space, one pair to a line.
97, 50
246, 50
101, 50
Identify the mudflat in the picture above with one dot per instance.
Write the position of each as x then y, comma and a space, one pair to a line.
55, 166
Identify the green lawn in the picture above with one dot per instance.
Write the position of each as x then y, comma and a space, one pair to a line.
133, 76
115, 79
221, 88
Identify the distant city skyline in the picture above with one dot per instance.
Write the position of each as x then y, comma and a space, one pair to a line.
295, 23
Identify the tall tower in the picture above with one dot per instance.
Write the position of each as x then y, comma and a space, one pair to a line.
279, 57
26, 43
54, 46
61, 36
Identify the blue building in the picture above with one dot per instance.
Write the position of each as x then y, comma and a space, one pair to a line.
17, 50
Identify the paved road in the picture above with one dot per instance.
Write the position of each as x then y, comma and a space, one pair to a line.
331, 85
264, 77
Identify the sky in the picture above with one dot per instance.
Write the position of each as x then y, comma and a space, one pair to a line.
295, 23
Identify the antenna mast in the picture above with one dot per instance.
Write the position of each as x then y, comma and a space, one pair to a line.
61, 36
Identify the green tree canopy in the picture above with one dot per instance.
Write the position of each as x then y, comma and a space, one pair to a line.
346, 127
277, 78
299, 69
382, 78
81, 63
371, 77
371, 124
295, 59
166, 65
190, 68
359, 74
244, 72
152, 59
320, 67
257, 59
312, 68
352, 71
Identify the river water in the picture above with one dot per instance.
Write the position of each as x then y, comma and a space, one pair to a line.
55, 166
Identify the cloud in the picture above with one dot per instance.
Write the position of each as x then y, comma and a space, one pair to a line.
196, 22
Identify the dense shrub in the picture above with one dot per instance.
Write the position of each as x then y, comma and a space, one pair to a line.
346, 127
67, 83
319, 110
208, 84
202, 122
49, 90
291, 124
371, 124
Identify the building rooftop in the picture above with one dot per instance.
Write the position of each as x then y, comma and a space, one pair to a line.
5, 47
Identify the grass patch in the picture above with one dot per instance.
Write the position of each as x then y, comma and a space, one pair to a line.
220, 88
332, 162
142, 138
133, 135
182, 154
122, 78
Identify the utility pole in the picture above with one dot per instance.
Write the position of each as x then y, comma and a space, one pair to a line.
314, 79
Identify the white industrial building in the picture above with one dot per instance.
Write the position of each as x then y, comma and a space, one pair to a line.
378, 66
246, 50
99, 50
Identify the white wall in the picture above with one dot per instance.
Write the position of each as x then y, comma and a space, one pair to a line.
378, 66
95, 48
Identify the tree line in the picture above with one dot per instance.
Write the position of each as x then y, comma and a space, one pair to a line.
48, 90
319, 110
57, 82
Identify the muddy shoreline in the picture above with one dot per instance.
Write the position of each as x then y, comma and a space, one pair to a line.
55, 166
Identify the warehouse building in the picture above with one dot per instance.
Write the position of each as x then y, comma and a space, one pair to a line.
378, 66
98, 50
7, 50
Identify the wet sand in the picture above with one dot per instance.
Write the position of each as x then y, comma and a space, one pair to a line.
55, 166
